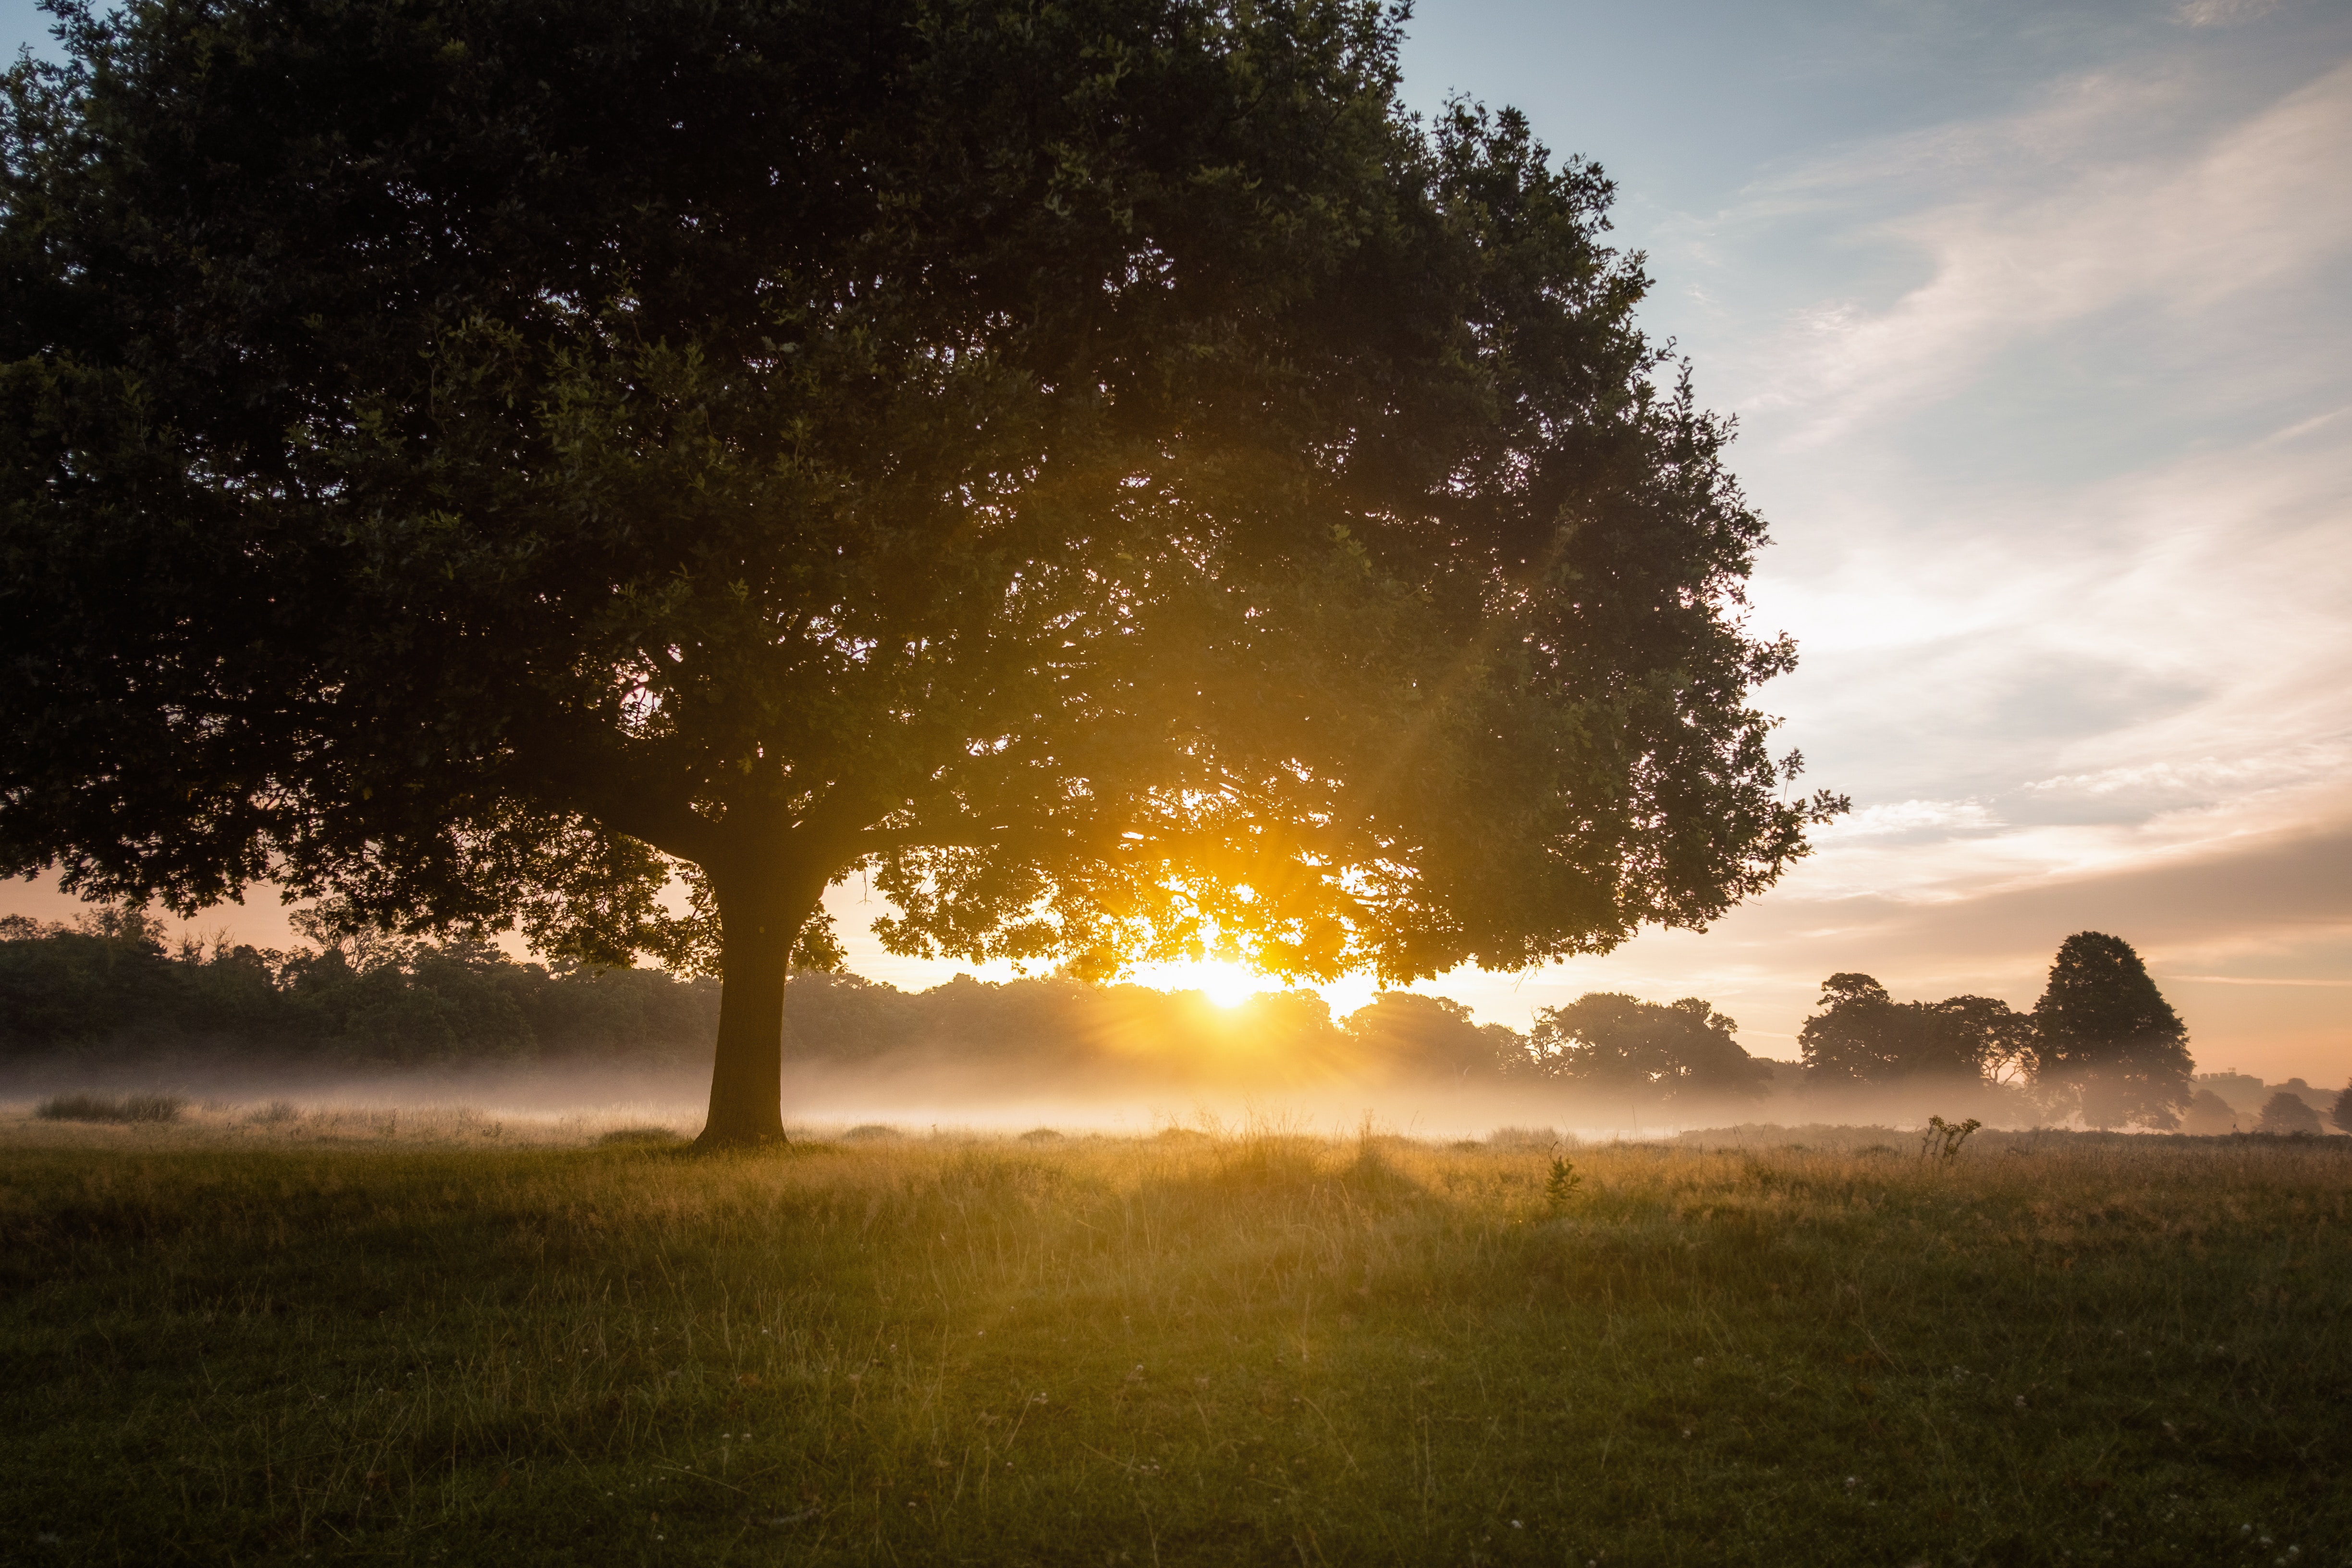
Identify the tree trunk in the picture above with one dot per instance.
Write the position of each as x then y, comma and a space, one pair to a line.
759, 917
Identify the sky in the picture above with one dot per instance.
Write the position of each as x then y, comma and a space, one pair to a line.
2037, 320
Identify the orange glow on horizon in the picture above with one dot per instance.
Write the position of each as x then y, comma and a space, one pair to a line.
1226, 984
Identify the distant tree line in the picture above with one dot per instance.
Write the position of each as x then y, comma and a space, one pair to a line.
2102, 1039
113, 982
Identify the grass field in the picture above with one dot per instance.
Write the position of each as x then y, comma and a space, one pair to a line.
1191, 1349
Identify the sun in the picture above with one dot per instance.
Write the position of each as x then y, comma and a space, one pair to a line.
1224, 984
1229, 985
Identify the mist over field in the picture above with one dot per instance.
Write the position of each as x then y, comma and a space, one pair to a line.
347, 1036
920, 1096
943, 1090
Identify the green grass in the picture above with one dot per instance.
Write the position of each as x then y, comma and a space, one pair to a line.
1234, 1350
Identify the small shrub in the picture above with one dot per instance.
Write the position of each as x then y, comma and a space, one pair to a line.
1559, 1188
107, 1108
870, 1132
1041, 1135
276, 1113
79, 1108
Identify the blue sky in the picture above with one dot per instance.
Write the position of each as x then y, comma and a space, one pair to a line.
2035, 320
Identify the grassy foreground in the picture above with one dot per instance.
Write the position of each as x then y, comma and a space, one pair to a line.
1256, 1349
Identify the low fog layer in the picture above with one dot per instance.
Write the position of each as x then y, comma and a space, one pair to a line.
109, 1006
916, 1097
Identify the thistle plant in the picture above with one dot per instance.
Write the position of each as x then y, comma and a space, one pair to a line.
1943, 1139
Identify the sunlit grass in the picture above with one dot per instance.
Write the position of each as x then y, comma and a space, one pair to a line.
1191, 1348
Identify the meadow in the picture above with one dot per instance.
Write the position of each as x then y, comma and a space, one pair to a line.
1203, 1347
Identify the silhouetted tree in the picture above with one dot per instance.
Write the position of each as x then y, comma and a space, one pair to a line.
1864, 1036
1857, 1034
2283, 1113
2341, 1114
1609, 1041
60, 984
2104, 1030
2243, 1091
2209, 1113
1432, 1036
1106, 469
1982, 1036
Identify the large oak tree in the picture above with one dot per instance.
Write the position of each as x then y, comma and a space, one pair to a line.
1101, 469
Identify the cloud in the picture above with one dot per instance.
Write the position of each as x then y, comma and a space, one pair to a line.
2223, 13
2205, 777
2052, 217
1909, 816
2257, 887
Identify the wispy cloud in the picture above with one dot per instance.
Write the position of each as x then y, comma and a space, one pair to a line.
2050, 218
1910, 816
2222, 13
2321, 762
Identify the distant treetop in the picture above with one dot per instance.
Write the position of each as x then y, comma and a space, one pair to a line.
2103, 1026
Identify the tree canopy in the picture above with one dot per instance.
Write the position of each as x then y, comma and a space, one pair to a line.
1106, 472
2286, 1113
1679, 1052
2104, 1031
1434, 1036
1862, 1035
2207, 1113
